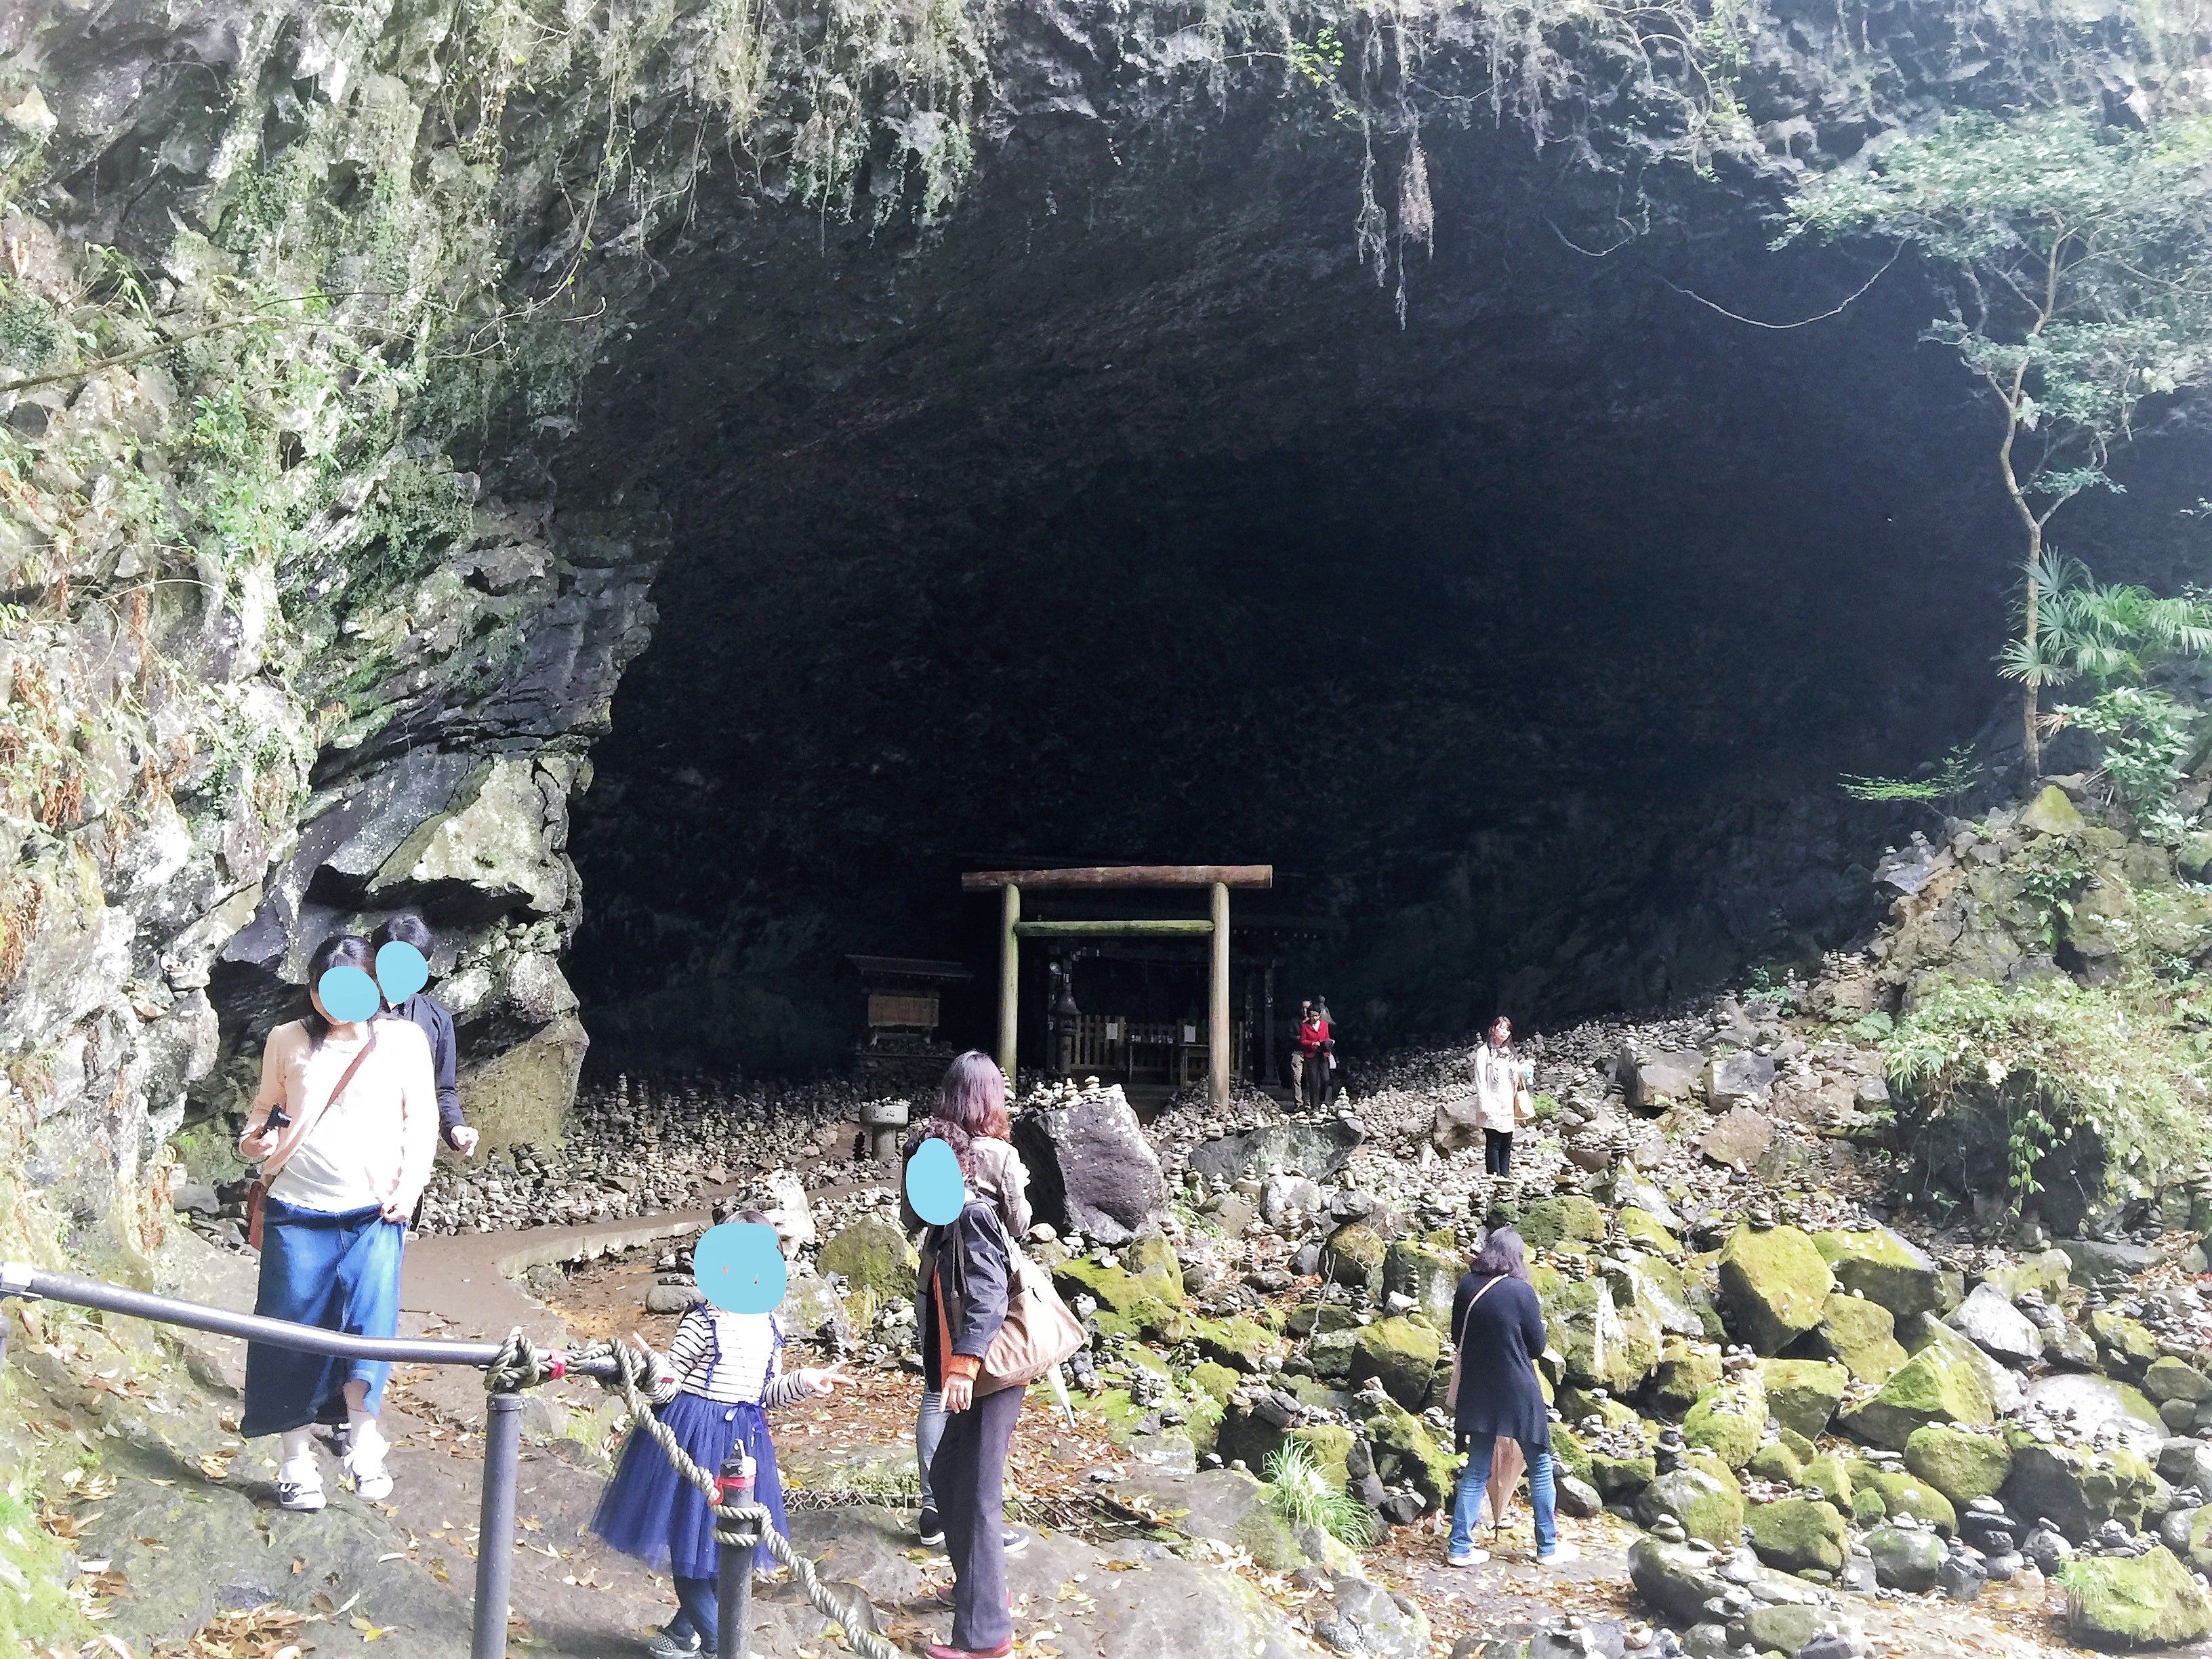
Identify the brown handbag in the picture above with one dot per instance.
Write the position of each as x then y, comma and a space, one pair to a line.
1038, 1331
257, 1191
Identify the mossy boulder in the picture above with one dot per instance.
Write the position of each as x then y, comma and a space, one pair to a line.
1883, 1267
1639, 1226
1958, 1462
1427, 1274
1730, 1419
2078, 1488
1803, 1393
1129, 1305
1903, 1494
1798, 1535
2046, 1272
1235, 1342
1905, 1558
2125, 1345
1549, 1222
1220, 1381
1774, 1286
1936, 1385
1330, 1445
1702, 1495
1406, 1451
1569, 1452
1684, 1371
1778, 1463
1860, 1336
1151, 1258
1402, 1353
2200, 1539
2141, 1602
877, 1263
1354, 1255
1329, 1352
1602, 1344
1830, 1475
2167, 1378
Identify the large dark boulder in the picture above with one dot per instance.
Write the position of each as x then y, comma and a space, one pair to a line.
1091, 1168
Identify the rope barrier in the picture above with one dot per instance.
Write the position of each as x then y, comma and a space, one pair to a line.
741, 1525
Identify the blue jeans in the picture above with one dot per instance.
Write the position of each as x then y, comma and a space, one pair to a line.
928, 1430
1466, 1497
699, 1604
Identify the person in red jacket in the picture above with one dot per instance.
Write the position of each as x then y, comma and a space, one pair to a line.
1314, 1055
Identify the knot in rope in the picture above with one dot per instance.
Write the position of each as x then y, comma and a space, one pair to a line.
521, 1364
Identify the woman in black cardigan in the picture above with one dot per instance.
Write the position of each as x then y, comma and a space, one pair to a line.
967, 1272
1498, 1325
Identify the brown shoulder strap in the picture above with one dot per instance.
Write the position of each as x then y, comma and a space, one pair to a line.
345, 1078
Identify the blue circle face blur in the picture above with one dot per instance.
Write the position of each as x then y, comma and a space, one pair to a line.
739, 1266
349, 994
401, 971
934, 1185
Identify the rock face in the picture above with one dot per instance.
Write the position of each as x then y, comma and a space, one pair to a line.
1090, 1167
2144, 1601
1883, 1267
1316, 1150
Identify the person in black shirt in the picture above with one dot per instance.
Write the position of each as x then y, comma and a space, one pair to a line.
427, 1011
1498, 1325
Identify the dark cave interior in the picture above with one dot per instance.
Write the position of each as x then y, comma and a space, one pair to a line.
1527, 639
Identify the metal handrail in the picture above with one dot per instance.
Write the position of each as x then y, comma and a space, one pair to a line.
511, 1366
36, 1284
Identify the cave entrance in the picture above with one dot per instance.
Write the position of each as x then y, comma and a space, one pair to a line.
1162, 1053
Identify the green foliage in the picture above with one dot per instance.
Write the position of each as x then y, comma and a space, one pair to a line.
2051, 1060
2102, 633
2073, 258
2051, 873
2146, 742
1952, 776
1300, 1496
28, 336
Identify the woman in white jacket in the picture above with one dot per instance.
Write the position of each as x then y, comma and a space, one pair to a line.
1501, 1079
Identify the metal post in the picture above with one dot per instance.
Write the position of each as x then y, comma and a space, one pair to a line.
734, 1594
1267, 1038
496, 1527
1218, 1032
1010, 978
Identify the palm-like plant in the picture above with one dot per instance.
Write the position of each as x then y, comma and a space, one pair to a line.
2100, 632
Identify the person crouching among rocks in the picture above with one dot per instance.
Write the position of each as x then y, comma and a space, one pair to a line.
344, 1127
721, 1371
1499, 1326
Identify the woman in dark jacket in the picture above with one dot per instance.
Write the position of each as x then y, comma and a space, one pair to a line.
1498, 1325
965, 1274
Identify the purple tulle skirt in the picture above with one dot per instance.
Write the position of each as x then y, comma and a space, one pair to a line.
650, 1511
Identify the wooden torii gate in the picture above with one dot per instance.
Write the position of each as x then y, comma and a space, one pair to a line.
1219, 878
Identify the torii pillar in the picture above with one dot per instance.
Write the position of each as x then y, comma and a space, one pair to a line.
1217, 878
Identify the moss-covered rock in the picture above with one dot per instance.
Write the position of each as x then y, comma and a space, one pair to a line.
1860, 1336
1236, 1342
1958, 1462
1151, 1258
1405, 1451
1426, 1273
2200, 1539
1402, 1353
1602, 1344
2125, 1345
1830, 1475
1798, 1535
1639, 1226
877, 1263
1905, 1558
1730, 1419
2168, 1378
1778, 1463
1128, 1305
1353, 1256
2078, 1488
1702, 1495
1774, 1286
1893, 1271
1550, 1222
1330, 1445
1934, 1386
1330, 1352
2141, 1602
1684, 1371
1219, 1381
1903, 1494
1803, 1393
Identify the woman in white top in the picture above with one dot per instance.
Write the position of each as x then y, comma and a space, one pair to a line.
344, 1127
1501, 1079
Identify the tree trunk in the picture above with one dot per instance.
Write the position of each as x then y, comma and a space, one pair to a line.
2030, 629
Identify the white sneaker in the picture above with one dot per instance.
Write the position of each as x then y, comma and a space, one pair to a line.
1466, 1558
364, 1463
299, 1487
1559, 1554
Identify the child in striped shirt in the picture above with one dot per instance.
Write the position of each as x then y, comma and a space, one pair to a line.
721, 1371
